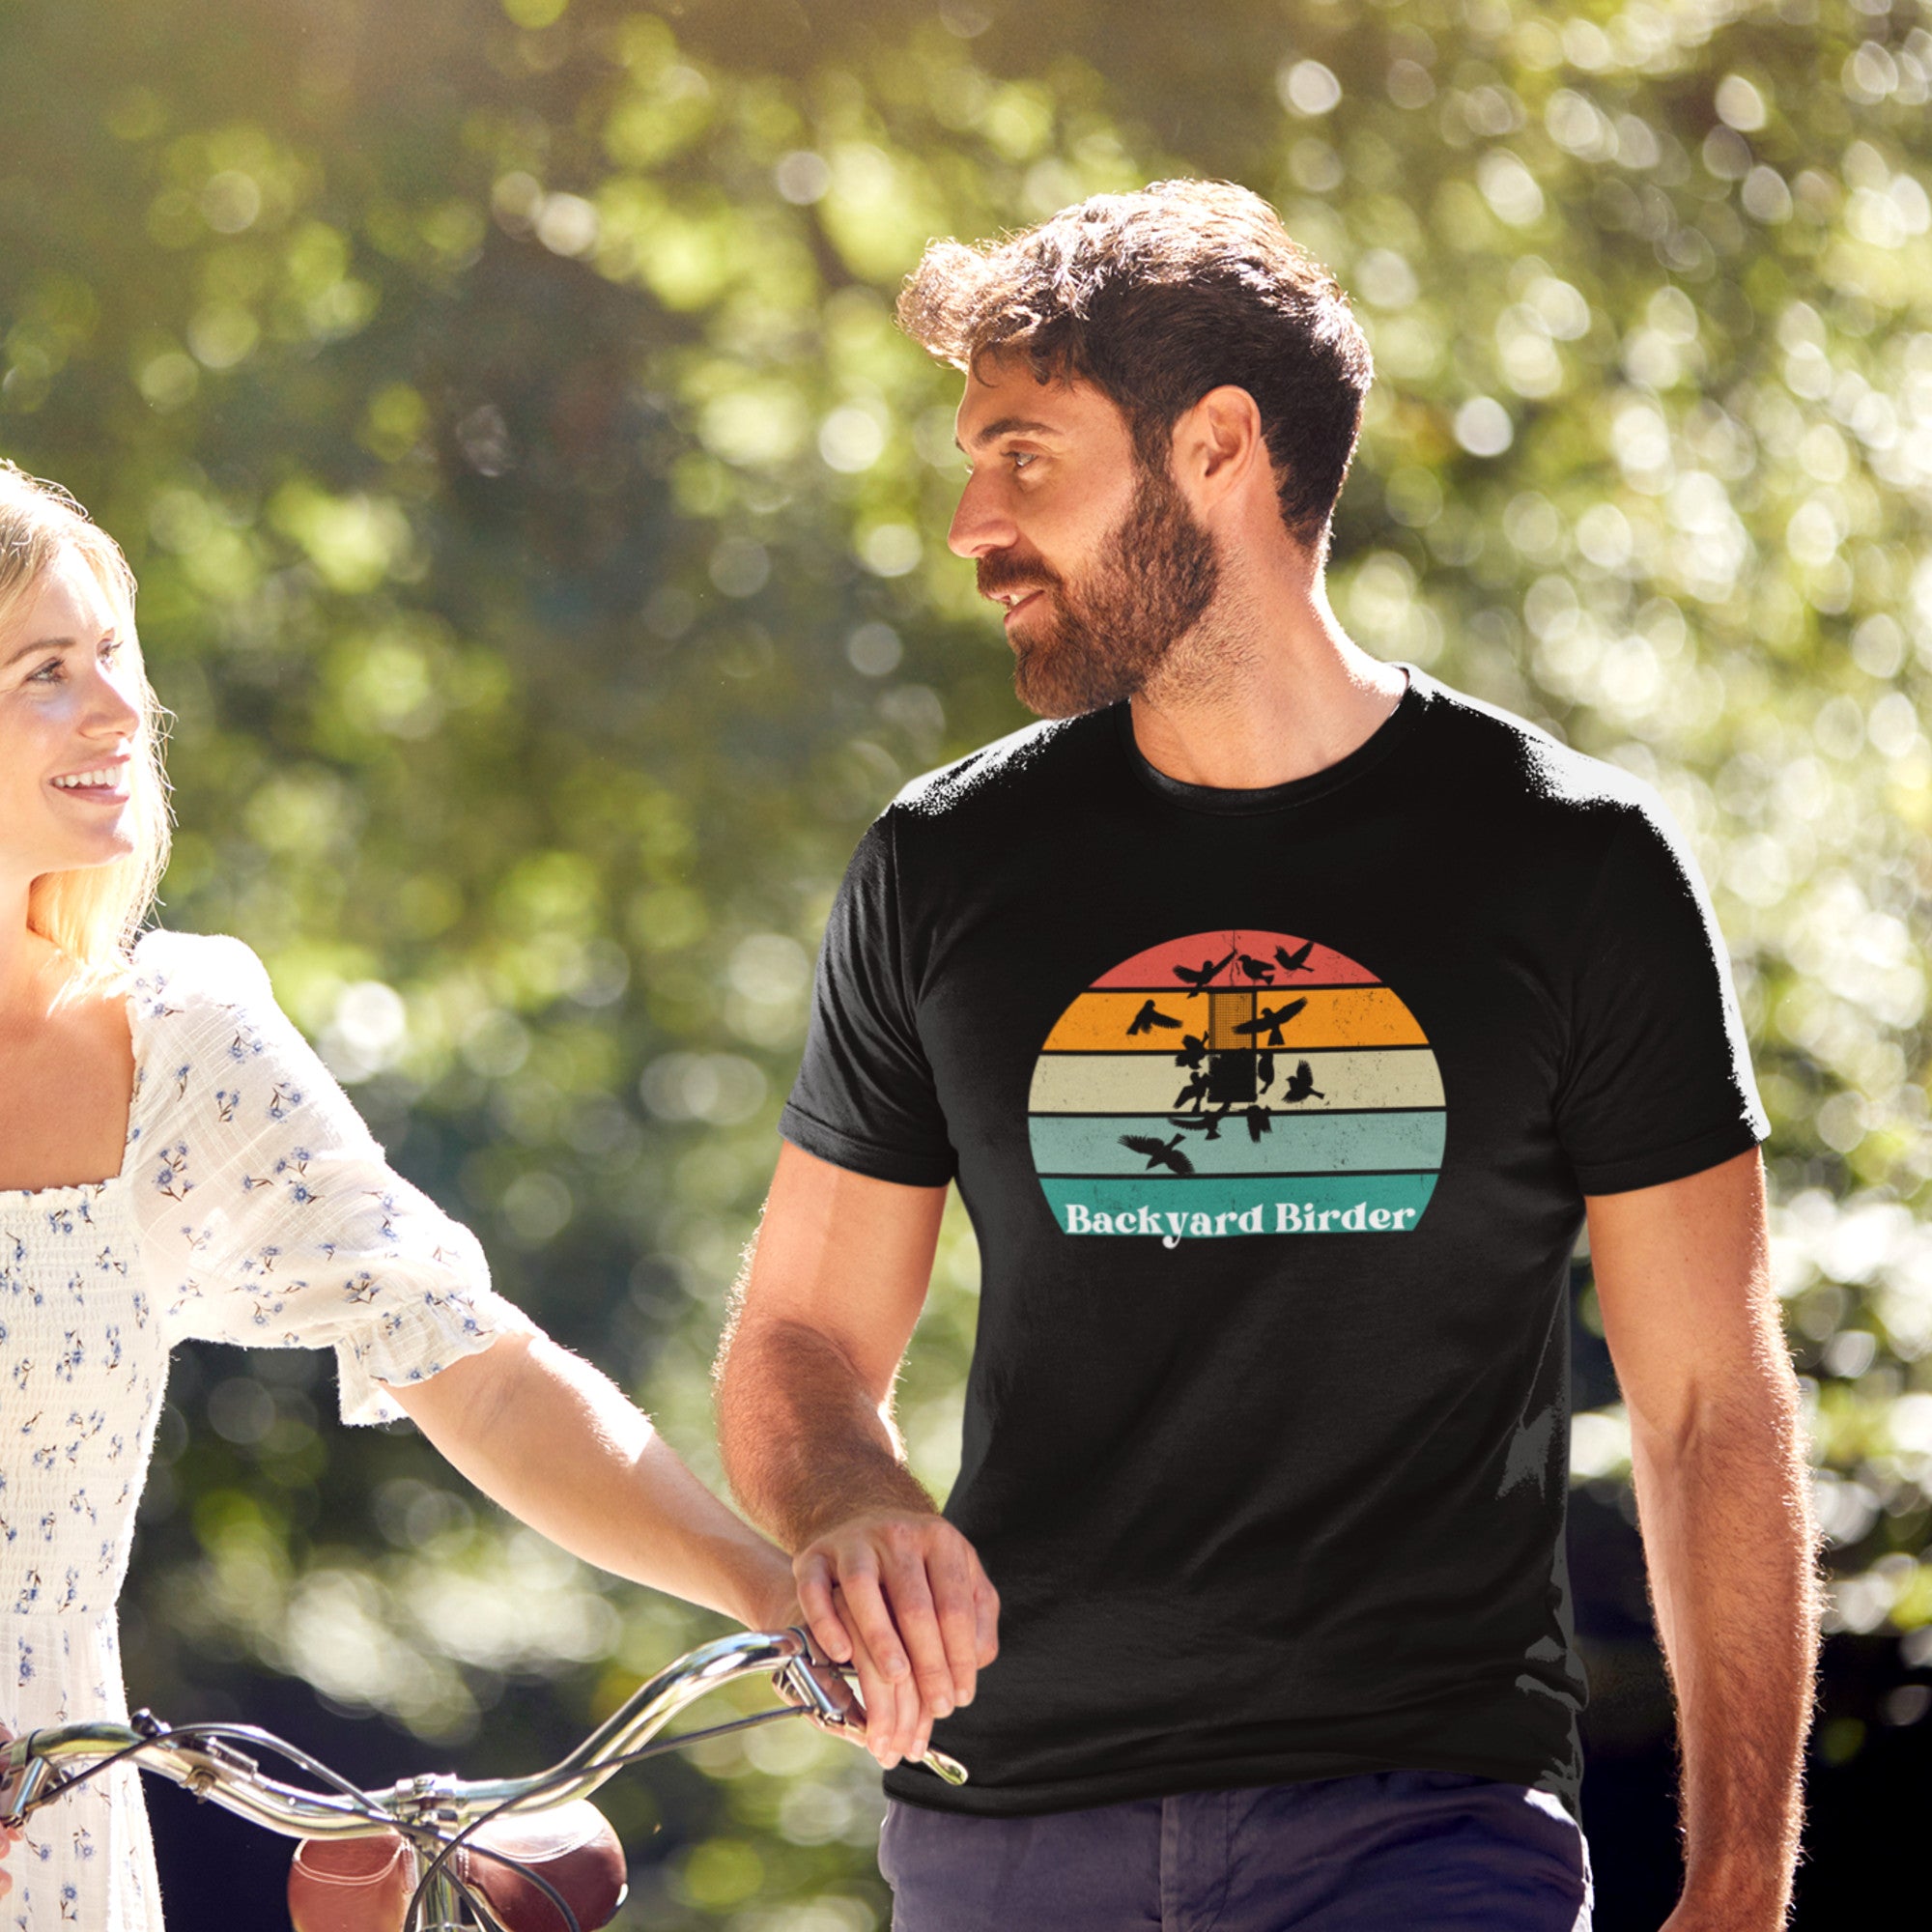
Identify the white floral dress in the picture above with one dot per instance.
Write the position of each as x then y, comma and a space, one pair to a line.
252, 1207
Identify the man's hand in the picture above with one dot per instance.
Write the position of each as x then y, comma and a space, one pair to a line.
901, 1595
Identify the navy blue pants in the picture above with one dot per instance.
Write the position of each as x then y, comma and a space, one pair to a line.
1401, 1851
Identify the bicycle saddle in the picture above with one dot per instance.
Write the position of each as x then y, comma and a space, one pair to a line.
363, 1885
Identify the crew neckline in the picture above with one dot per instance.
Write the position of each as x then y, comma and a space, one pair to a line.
1223, 800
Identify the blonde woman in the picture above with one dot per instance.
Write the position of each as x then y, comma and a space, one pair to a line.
175, 1162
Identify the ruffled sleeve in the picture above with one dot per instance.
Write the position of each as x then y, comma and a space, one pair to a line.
269, 1215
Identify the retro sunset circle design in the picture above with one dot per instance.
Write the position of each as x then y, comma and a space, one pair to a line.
1237, 1082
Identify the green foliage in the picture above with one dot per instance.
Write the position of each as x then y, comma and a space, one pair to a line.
539, 524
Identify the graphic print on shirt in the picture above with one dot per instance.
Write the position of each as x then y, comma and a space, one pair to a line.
1237, 1082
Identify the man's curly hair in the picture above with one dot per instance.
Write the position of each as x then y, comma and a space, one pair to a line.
1155, 297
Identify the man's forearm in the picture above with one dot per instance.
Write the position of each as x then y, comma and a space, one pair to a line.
805, 1443
1728, 1534
832, 1289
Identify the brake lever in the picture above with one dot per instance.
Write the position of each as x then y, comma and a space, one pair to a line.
799, 1680
29, 1793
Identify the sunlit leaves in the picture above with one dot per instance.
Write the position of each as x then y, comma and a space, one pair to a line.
540, 523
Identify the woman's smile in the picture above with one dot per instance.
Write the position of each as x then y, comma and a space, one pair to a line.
102, 783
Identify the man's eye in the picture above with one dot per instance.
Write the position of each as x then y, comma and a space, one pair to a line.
1020, 458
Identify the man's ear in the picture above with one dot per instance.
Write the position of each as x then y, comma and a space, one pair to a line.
1218, 444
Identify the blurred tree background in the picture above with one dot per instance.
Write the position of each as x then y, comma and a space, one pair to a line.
539, 525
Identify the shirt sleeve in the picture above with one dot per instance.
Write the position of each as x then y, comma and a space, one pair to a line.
1658, 1082
866, 1098
269, 1215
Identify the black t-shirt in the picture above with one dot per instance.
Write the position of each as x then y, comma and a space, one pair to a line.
1274, 1112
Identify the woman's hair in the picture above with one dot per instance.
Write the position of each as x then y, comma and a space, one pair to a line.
1156, 297
93, 913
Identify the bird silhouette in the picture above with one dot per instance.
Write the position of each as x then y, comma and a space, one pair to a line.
1196, 1123
1297, 960
1264, 1069
1191, 1095
1159, 1153
1258, 1122
1148, 1018
1197, 977
1300, 1085
1270, 1020
1258, 969
1193, 1050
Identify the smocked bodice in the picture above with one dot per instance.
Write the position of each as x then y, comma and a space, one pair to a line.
83, 1364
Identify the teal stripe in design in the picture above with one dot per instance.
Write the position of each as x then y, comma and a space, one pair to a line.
1294, 1144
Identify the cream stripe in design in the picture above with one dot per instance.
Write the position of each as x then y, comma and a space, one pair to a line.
1143, 1083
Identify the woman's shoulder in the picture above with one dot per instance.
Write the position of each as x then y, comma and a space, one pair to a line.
175, 974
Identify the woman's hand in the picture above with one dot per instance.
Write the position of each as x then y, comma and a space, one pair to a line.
5, 1804
556, 1444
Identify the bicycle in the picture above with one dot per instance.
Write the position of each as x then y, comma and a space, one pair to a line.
442, 1821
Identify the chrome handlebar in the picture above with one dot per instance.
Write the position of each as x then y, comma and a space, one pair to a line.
48, 1760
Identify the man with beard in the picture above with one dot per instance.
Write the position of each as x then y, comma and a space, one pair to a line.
1276, 1521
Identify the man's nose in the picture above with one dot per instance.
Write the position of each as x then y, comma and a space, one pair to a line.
981, 523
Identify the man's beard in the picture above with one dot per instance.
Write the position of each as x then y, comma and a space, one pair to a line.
1096, 641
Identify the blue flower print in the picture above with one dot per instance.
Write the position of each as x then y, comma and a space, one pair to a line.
171, 1177
155, 1006
294, 1170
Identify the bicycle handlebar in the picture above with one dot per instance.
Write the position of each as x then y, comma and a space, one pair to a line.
47, 1761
